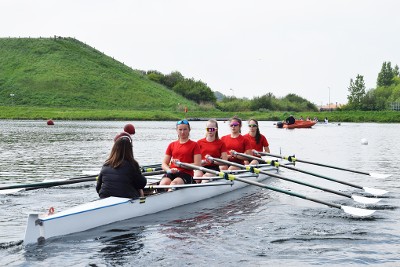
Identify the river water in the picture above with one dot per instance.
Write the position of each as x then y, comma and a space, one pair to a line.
249, 227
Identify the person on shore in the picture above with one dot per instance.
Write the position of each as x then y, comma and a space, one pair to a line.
212, 146
326, 120
258, 142
236, 142
290, 120
183, 150
120, 175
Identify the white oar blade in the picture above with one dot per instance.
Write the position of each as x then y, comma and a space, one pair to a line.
90, 172
380, 175
10, 191
357, 211
365, 200
54, 180
374, 191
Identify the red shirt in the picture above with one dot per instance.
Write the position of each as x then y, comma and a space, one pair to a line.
239, 144
184, 153
260, 146
214, 148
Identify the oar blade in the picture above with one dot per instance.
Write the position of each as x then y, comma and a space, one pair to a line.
379, 175
365, 200
357, 211
10, 191
374, 191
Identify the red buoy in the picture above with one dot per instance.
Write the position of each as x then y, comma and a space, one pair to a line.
129, 128
50, 122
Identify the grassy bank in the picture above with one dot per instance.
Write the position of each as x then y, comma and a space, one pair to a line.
37, 113
64, 72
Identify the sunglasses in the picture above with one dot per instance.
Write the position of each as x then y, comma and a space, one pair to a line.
253, 125
210, 129
234, 124
182, 122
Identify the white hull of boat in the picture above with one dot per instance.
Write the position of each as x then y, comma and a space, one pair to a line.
114, 209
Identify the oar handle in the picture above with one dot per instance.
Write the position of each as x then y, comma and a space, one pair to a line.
153, 173
226, 162
225, 175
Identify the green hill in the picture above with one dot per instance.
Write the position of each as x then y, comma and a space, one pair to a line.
64, 72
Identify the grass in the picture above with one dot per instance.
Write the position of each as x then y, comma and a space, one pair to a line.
64, 72
45, 113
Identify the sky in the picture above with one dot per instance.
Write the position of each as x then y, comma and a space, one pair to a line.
247, 48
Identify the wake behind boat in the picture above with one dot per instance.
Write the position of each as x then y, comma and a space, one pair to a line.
113, 209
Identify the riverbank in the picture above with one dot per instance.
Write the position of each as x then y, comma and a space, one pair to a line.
40, 113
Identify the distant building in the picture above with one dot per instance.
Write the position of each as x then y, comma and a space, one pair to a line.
330, 107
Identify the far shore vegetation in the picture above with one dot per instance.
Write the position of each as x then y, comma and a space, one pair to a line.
65, 79
41, 113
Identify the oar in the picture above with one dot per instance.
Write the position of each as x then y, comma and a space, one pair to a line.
187, 185
349, 210
50, 183
143, 169
293, 159
211, 178
9, 189
373, 191
359, 199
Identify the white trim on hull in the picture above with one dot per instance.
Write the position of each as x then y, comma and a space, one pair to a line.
113, 209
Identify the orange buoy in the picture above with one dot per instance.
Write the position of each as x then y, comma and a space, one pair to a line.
50, 122
129, 128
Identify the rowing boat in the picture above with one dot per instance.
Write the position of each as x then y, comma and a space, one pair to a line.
113, 209
297, 124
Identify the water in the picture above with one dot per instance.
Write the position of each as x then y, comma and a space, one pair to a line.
250, 227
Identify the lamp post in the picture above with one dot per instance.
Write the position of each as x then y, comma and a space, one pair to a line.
329, 103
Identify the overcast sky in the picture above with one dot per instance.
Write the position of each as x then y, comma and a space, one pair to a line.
243, 48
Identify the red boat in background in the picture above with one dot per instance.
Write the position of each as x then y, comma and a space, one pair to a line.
296, 124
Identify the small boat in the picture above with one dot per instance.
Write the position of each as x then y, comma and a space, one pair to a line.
296, 124
113, 209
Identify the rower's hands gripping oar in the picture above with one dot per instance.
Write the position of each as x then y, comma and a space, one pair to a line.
373, 191
349, 210
294, 159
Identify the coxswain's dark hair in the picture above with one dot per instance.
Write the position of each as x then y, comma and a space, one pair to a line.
120, 152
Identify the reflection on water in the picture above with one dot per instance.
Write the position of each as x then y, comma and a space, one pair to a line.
119, 246
211, 222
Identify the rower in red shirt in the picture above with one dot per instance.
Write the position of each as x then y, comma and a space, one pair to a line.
258, 141
212, 146
235, 142
183, 150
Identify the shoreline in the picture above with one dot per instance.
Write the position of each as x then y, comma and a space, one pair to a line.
62, 113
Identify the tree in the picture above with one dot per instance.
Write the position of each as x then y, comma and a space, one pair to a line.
385, 77
172, 79
195, 90
357, 92
396, 71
